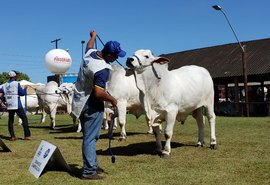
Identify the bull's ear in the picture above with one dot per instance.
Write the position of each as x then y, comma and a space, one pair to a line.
161, 60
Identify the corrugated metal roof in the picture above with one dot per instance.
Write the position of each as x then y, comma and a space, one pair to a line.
226, 60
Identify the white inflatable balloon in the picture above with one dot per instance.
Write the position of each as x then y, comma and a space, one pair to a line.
58, 61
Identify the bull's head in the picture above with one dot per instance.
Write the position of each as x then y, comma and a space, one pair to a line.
67, 90
143, 58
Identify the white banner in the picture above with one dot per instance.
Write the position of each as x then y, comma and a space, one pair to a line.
47, 153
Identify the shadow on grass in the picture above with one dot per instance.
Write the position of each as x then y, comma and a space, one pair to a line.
69, 137
40, 127
102, 136
58, 128
5, 137
63, 129
73, 171
146, 148
116, 135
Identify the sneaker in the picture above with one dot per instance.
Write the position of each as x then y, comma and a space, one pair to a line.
92, 177
13, 139
27, 138
100, 170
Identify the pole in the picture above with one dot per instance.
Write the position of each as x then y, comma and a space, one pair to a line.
244, 60
56, 42
244, 63
82, 47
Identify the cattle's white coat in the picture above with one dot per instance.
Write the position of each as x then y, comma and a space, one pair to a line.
51, 97
123, 88
172, 95
32, 104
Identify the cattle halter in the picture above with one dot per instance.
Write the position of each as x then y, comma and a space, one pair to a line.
144, 66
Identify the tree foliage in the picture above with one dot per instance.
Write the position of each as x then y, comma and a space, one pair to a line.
21, 76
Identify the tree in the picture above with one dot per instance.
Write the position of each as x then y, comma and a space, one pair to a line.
21, 76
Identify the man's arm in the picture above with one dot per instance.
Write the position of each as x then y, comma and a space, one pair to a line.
91, 42
102, 95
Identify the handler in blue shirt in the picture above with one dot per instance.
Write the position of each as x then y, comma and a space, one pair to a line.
88, 99
12, 91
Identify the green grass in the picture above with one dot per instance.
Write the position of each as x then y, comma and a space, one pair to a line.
242, 157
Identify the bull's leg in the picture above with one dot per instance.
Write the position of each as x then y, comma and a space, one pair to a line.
150, 129
105, 124
19, 121
79, 129
52, 116
197, 114
212, 122
43, 116
158, 149
115, 123
122, 111
75, 122
170, 119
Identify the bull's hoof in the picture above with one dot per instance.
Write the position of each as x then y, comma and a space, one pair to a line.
165, 155
213, 146
122, 139
149, 132
105, 128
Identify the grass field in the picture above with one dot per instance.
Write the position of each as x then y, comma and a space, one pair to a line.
242, 157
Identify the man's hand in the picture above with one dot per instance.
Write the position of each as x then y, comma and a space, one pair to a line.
93, 33
90, 43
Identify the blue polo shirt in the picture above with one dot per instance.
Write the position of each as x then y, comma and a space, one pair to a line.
100, 79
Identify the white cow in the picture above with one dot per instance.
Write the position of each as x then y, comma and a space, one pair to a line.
122, 87
31, 98
174, 94
107, 118
51, 97
31, 103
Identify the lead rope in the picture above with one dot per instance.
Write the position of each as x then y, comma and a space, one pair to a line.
111, 136
110, 133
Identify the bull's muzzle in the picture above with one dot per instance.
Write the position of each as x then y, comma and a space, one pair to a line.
129, 62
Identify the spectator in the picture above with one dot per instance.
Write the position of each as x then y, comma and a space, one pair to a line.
12, 91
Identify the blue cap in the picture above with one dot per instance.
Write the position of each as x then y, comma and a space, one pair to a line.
114, 47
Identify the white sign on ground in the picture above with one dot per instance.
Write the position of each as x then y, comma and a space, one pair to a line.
4, 146
45, 154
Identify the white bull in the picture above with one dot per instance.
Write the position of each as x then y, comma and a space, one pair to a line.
31, 103
174, 94
32, 99
122, 87
51, 97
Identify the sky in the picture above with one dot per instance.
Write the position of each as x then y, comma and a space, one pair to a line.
28, 27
